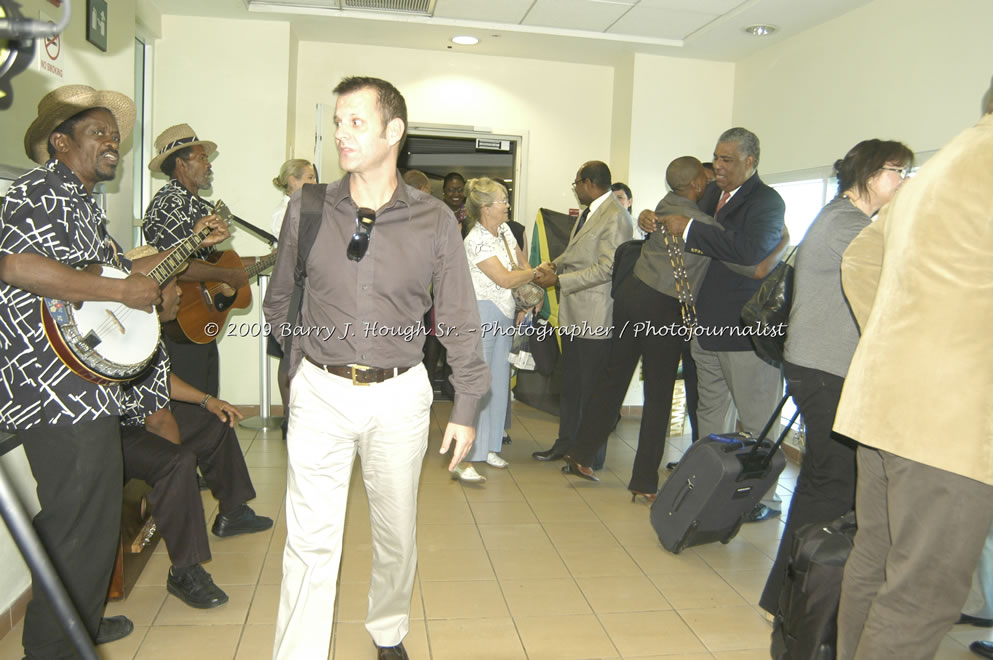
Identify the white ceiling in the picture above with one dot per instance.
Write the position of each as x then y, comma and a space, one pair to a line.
589, 31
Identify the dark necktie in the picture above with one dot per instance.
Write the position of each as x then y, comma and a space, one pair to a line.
582, 219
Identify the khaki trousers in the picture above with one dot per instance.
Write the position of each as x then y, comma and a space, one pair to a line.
330, 421
921, 530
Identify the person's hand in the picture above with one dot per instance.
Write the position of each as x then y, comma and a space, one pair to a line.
139, 291
463, 436
546, 275
676, 224
220, 229
648, 221
224, 411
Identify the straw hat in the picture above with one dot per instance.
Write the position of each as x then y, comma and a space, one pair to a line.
175, 138
68, 101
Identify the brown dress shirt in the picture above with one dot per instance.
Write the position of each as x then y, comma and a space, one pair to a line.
371, 312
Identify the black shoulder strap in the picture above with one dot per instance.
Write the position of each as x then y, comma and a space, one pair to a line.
311, 212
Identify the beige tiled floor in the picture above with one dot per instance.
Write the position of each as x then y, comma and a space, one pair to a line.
533, 564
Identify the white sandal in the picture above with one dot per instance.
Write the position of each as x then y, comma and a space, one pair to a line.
468, 474
495, 460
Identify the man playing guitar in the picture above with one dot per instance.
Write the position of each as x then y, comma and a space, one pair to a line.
169, 219
69, 426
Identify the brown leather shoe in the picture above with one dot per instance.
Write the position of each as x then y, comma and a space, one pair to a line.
392, 652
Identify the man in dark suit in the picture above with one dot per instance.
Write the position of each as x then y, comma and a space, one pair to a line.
750, 215
583, 272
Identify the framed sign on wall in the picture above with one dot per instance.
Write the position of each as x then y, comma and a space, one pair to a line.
96, 23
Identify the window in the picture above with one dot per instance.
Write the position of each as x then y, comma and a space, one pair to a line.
141, 140
804, 200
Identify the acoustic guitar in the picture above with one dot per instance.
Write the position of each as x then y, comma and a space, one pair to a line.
206, 303
109, 343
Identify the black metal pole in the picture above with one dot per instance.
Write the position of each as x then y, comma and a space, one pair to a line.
41, 568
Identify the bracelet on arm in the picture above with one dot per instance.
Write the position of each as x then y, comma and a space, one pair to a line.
206, 398
534, 274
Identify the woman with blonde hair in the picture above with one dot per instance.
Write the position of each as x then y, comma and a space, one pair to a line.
292, 175
497, 265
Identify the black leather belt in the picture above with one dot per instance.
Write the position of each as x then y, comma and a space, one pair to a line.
360, 374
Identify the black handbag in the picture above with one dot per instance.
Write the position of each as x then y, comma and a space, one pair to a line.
768, 312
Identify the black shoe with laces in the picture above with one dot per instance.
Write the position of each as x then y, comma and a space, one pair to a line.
240, 521
194, 586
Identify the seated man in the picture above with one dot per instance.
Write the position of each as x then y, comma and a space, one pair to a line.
164, 450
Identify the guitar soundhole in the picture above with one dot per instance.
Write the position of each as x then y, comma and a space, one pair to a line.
222, 302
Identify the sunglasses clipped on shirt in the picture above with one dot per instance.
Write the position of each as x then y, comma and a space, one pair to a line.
359, 245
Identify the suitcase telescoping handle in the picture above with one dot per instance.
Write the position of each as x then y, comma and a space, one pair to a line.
753, 462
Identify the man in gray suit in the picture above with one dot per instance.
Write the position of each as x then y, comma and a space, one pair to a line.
649, 325
583, 273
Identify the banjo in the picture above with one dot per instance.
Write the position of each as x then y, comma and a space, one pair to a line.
109, 343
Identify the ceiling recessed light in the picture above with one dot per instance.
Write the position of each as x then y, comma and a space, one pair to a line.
760, 30
465, 40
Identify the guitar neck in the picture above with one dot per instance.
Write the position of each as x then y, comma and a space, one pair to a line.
178, 256
261, 264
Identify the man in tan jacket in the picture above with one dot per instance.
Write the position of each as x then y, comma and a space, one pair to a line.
919, 399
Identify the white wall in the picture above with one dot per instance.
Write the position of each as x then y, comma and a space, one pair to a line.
679, 108
908, 70
509, 95
229, 81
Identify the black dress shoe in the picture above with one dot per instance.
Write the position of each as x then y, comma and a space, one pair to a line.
392, 652
195, 587
240, 521
113, 628
548, 455
975, 621
759, 513
580, 471
982, 649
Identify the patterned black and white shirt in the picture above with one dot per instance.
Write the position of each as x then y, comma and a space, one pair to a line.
171, 215
48, 212
144, 396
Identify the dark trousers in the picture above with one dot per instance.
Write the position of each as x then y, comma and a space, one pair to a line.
171, 471
583, 364
197, 364
80, 484
659, 348
689, 387
825, 487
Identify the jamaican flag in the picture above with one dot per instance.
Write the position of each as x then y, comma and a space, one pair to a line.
548, 240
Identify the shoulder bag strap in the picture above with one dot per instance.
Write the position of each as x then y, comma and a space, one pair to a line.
311, 211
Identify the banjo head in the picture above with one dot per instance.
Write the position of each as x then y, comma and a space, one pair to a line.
110, 339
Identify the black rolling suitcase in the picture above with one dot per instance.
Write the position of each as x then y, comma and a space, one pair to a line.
719, 479
806, 624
